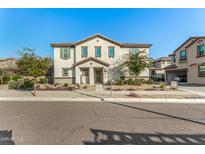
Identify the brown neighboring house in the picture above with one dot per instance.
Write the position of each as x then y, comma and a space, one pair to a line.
188, 62
8, 65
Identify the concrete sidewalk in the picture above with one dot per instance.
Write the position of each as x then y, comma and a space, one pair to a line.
195, 90
92, 96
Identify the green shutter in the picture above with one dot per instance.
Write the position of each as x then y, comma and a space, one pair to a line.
68, 52
98, 51
84, 52
111, 52
201, 47
61, 53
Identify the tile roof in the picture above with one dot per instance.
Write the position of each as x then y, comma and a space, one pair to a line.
125, 45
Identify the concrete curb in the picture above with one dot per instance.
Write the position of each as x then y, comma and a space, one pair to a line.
121, 100
155, 100
49, 99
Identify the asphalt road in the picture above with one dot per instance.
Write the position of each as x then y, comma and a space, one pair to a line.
101, 123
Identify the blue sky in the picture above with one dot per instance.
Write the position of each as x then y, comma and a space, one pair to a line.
166, 29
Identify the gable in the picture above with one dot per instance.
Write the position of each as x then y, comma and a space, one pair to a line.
90, 59
184, 45
97, 36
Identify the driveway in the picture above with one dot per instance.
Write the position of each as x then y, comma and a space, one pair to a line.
101, 123
196, 90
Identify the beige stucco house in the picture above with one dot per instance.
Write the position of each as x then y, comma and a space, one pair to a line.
95, 59
188, 62
157, 71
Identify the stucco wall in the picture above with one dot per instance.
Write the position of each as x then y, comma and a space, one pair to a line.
192, 62
60, 63
91, 44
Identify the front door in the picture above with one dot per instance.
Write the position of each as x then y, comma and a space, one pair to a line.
98, 75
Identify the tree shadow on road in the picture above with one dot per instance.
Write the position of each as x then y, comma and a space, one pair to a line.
106, 137
159, 113
6, 137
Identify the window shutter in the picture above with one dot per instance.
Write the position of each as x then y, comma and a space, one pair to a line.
68, 52
202, 47
61, 53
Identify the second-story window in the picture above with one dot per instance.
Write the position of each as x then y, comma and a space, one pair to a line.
84, 52
111, 52
64, 53
200, 50
133, 51
183, 55
98, 52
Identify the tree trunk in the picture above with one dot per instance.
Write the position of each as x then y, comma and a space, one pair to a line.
34, 86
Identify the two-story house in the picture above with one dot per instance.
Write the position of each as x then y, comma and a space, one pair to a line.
95, 59
188, 62
157, 71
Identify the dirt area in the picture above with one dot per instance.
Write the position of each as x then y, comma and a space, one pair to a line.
146, 87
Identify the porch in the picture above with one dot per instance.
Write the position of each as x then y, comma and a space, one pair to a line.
91, 71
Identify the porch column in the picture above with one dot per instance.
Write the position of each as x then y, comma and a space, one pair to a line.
165, 76
91, 75
105, 75
77, 75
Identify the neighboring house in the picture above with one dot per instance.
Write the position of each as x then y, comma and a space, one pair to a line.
95, 59
188, 62
157, 71
8, 65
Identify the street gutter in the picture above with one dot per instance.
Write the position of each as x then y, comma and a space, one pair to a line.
121, 100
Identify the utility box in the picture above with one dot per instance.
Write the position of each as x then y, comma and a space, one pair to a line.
174, 84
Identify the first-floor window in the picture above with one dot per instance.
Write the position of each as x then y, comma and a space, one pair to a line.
202, 70
65, 72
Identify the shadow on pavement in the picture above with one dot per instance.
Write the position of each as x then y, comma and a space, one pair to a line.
106, 137
87, 94
6, 137
159, 113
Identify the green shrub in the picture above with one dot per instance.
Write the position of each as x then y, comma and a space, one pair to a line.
130, 82
139, 82
6, 79
162, 85
121, 82
28, 84
56, 84
65, 85
13, 85
20, 82
16, 77
85, 87
1, 81
43, 81
150, 81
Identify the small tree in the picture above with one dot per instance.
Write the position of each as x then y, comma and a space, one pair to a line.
137, 62
29, 64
